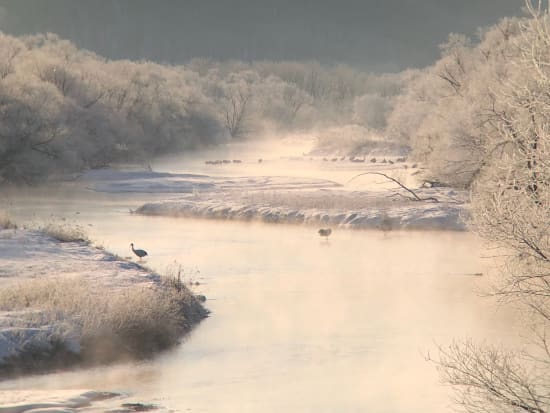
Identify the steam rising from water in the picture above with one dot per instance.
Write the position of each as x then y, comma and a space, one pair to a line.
298, 323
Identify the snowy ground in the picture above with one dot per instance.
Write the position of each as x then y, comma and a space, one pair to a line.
360, 210
291, 199
29, 256
69, 401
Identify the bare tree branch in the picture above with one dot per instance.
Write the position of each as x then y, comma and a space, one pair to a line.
414, 197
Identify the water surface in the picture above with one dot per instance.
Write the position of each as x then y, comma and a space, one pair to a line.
298, 324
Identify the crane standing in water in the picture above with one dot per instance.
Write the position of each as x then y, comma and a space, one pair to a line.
139, 253
325, 232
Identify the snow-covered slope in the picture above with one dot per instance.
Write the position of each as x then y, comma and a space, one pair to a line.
292, 199
71, 401
67, 278
345, 209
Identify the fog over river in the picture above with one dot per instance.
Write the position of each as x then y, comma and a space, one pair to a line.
298, 323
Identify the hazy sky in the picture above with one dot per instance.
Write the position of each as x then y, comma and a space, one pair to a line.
382, 35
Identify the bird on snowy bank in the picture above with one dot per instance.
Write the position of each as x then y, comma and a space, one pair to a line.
139, 253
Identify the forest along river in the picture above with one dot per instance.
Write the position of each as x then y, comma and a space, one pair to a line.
298, 324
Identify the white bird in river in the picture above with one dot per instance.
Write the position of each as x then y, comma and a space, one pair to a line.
139, 253
325, 232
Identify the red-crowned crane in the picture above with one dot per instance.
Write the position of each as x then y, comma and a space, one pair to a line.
139, 253
325, 232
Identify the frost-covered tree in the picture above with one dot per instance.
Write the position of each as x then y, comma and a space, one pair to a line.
448, 109
510, 201
236, 107
72, 106
371, 110
124, 111
10, 49
31, 124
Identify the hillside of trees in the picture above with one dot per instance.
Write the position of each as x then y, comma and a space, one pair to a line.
63, 109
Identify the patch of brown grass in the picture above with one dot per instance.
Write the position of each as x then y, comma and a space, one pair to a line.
113, 324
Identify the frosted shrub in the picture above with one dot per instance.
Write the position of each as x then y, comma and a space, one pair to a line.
134, 321
65, 232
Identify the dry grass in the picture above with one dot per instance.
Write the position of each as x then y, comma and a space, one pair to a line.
333, 200
177, 276
65, 232
130, 322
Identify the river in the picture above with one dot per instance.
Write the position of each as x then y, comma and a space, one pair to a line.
298, 324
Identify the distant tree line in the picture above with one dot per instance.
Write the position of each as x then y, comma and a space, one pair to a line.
63, 109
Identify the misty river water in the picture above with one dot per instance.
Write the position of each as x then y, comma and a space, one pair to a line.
297, 324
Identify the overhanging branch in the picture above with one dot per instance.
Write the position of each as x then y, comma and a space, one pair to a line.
414, 197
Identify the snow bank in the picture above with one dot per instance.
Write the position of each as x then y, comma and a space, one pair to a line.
357, 209
27, 254
65, 401
282, 199
68, 279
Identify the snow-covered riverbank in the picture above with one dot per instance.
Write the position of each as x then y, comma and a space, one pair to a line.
290, 200
64, 401
69, 302
365, 210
